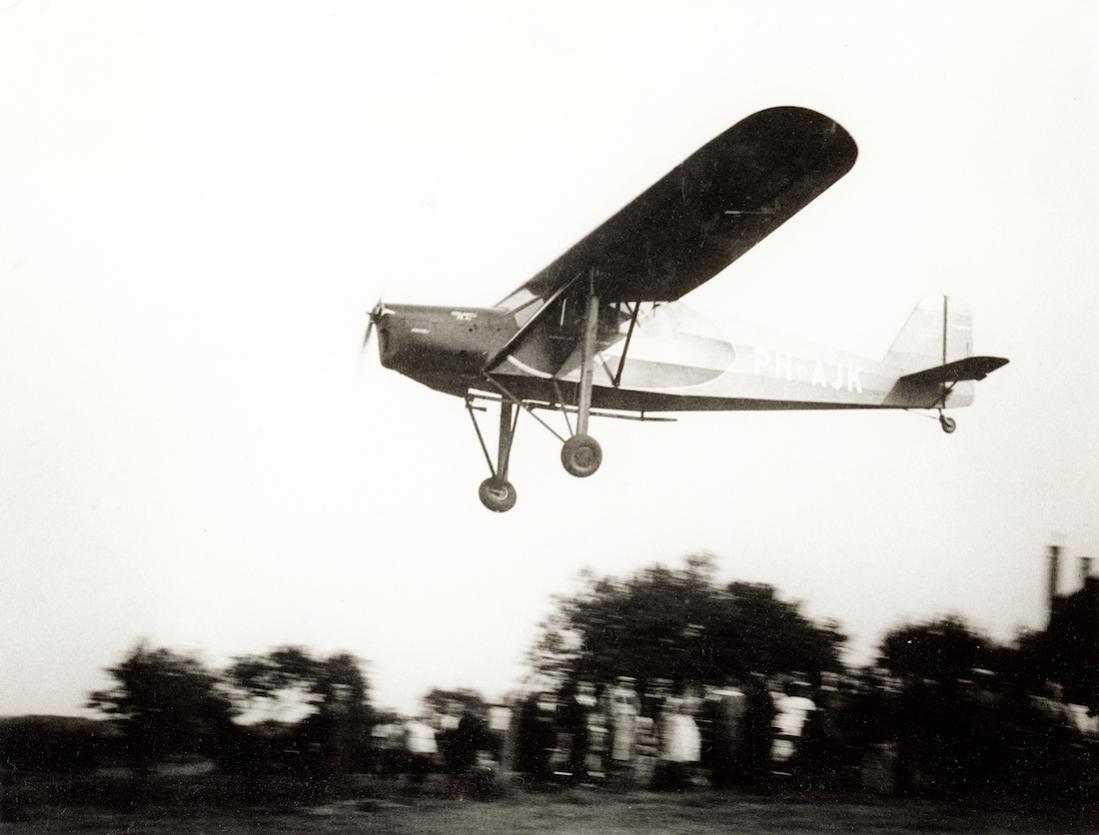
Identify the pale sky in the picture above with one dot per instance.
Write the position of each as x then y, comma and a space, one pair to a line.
199, 202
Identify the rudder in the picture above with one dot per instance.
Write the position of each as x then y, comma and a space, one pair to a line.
939, 330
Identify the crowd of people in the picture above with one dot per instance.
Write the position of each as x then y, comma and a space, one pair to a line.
877, 733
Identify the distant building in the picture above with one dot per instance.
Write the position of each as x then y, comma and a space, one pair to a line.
1072, 638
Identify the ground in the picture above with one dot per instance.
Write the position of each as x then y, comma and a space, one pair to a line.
205, 806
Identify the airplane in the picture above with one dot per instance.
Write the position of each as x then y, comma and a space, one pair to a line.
601, 331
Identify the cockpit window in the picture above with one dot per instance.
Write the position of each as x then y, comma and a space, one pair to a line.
522, 304
516, 300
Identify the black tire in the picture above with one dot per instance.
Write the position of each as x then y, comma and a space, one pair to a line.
581, 455
948, 424
497, 495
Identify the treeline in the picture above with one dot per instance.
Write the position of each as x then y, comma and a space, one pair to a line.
684, 626
309, 716
287, 710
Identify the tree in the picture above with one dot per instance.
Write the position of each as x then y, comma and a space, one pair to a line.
944, 650
328, 698
439, 700
679, 624
164, 703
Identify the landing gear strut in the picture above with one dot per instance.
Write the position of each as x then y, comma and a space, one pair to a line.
581, 455
496, 492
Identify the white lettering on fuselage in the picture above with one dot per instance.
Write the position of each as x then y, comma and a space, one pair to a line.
462, 315
784, 366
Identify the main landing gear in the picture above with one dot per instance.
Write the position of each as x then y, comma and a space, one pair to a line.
948, 424
581, 454
496, 492
497, 495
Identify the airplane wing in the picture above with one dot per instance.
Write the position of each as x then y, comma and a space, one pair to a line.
709, 210
684, 229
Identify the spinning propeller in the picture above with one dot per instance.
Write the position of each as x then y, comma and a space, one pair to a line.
376, 315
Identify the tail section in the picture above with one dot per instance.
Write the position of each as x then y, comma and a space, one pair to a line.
938, 331
934, 357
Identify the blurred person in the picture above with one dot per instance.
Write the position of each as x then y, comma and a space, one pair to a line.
920, 708
537, 737
499, 725
468, 739
422, 748
1053, 737
832, 745
545, 735
447, 733
728, 707
624, 708
792, 713
574, 715
387, 741
648, 751
598, 741
990, 745
756, 746
707, 720
680, 746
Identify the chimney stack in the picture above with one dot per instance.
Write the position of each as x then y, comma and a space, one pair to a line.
1085, 570
1054, 573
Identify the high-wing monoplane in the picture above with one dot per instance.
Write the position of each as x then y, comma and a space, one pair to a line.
601, 330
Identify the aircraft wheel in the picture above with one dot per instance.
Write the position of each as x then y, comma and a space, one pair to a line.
498, 496
581, 455
948, 424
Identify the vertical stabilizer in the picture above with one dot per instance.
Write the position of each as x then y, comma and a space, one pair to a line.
939, 330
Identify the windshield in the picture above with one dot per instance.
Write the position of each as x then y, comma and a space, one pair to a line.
522, 304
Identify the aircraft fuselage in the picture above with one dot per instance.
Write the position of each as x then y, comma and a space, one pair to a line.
444, 348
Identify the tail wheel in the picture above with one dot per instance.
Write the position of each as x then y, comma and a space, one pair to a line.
497, 495
581, 455
948, 424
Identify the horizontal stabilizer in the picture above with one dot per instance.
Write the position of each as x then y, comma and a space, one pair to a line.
969, 368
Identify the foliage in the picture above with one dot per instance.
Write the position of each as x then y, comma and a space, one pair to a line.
679, 624
291, 677
330, 694
55, 744
944, 650
164, 703
439, 700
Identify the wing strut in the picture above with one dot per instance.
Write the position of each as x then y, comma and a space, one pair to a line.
626, 347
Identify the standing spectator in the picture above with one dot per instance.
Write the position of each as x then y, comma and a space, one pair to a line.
598, 736
422, 748
545, 736
648, 751
728, 709
680, 745
756, 747
448, 729
577, 705
625, 707
792, 713
467, 739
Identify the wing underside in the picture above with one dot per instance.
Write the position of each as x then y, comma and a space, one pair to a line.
709, 210
686, 228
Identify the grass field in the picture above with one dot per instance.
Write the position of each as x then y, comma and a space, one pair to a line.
215, 805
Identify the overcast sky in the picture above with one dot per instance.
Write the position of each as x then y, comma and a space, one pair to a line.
200, 201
